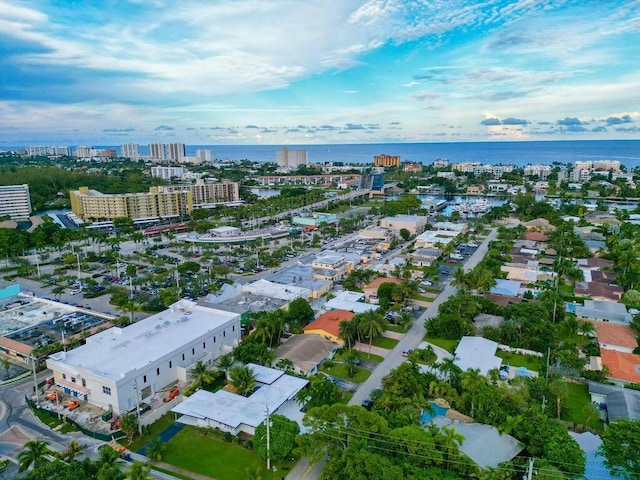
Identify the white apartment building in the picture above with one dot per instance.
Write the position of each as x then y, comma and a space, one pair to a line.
581, 175
496, 170
204, 155
464, 167
175, 151
291, 158
541, 171
84, 151
167, 173
206, 193
48, 150
119, 367
15, 202
606, 165
157, 151
130, 150
440, 163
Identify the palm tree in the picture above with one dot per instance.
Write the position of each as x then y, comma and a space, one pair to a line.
109, 464
451, 440
371, 324
460, 280
585, 329
73, 450
472, 382
572, 326
139, 471
201, 374
242, 379
352, 360
404, 320
348, 332
285, 365
559, 389
36, 453
6, 364
225, 362
156, 449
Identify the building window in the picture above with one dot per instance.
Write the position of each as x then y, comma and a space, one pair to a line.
170, 364
214, 339
204, 345
183, 357
84, 382
73, 379
193, 351
144, 379
106, 390
224, 333
233, 328
158, 371
64, 376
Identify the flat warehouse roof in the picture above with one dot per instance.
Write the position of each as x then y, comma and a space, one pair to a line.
116, 351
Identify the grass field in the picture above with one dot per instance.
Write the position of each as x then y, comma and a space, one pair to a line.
339, 357
152, 431
385, 342
208, 455
517, 360
448, 345
396, 328
340, 370
572, 410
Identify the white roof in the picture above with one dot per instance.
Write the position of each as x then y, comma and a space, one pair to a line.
234, 410
477, 352
347, 300
116, 351
276, 290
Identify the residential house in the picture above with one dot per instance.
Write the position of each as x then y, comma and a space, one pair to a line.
306, 352
599, 291
435, 238
539, 225
615, 336
620, 403
477, 353
603, 310
623, 367
328, 324
350, 301
371, 290
425, 257
506, 287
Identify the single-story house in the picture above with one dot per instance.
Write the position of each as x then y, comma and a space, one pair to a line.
477, 353
235, 413
506, 287
615, 336
425, 257
535, 236
371, 289
435, 238
603, 310
306, 352
483, 444
350, 301
539, 225
595, 263
601, 276
620, 402
503, 300
623, 367
599, 291
328, 324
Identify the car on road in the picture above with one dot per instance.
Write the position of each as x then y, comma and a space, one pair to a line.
407, 352
367, 403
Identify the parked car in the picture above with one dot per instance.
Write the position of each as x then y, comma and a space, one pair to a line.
456, 256
367, 403
407, 352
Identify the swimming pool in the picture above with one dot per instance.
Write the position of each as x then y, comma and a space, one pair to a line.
437, 411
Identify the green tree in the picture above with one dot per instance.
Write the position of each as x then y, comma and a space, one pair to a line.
109, 464
300, 312
405, 234
451, 441
283, 433
139, 471
73, 450
155, 450
6, 364
201, 375
371, 324
35, 453
620, 447
129, 425
352, 360
320, 391
348, 332
558, 388
242, 379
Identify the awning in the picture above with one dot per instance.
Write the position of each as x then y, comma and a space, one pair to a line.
72, 386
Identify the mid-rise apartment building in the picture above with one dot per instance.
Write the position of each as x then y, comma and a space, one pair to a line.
167, 173
386, 160
540, 171
93, 205
205, 155
84, 151
205, 193
291, 158
15, 202
48, 150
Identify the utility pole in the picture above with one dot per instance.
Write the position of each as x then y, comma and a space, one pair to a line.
268, 420
35, 380
529, 474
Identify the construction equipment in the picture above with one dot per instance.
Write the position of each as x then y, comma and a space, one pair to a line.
73, 404
172, 394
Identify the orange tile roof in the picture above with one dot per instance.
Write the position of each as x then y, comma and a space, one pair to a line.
622, 366
330, 321
15, 346
615, 334
380, 280
536, 236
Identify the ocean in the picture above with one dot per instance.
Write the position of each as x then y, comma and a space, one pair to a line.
513, 153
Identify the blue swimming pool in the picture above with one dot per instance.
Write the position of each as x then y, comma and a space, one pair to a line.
437, 411
571, 308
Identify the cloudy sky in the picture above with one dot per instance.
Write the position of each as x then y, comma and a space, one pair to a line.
317, 71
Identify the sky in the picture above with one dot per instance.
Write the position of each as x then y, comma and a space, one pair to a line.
215, 72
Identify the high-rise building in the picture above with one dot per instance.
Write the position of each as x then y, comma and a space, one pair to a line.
156, 151
175, 151
386, 160
130, 150
48, 150
84, 151
204, 155
93, 205
15, 202
291, 158
167, 173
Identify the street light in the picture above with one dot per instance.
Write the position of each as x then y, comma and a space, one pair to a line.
78, 259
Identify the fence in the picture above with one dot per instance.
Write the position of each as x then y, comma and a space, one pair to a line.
99, 436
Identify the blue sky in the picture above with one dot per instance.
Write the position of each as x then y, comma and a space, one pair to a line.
317, 71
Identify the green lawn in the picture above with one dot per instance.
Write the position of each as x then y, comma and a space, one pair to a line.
575, 402
208, 455
339, 357
385, 342
152, 431
517, 360
346, 396
396, 328
448, 345
339, 370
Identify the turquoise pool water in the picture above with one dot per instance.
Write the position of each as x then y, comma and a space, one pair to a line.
438, 411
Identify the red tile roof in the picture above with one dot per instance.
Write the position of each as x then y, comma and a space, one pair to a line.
7, 343
536, 236
615, 334
622, 366
330, 321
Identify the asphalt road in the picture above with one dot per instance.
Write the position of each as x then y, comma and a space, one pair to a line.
302, 470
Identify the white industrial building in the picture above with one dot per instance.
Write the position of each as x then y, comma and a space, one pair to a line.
119, 367
15, 201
